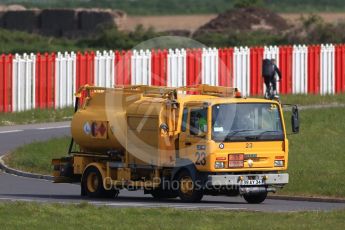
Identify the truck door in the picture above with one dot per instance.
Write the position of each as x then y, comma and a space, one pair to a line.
194, 133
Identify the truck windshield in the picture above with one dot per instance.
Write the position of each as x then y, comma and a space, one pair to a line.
246, 122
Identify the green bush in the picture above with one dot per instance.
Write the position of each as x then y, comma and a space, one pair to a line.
251, 38
20, 42
112, 38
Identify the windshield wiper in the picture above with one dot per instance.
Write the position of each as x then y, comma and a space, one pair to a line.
233, 133
264, 132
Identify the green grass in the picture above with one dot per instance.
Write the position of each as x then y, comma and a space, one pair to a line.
36, 157
36, 116
108, 38
20, 42
302, 99
54, 216
316, 159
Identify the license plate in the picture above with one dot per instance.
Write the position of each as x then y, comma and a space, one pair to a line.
253, 182
235, 164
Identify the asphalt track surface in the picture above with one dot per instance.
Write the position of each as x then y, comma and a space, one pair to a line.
15, 188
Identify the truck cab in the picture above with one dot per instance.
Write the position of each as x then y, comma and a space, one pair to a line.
237, 143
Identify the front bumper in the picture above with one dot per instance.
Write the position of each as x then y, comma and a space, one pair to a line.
268, 179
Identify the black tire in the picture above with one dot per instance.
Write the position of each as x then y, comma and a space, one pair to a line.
113, 193
195, 194
161, 194
255, 198
92, 184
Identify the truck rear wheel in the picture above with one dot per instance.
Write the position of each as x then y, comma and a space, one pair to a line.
255, 198
188, 190
93, 183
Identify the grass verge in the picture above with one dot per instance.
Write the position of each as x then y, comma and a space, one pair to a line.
54, 216
36, 116
302, 99
36, 157
316, 154
315, 159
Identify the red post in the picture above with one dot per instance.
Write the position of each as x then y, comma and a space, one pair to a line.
342, 73
162, 68
3, 80
317, 75
194, 67
48, 79
311, 68
256, 82
53, 76
87, 68
339, 68
314, 69
10, 84
5, 91
121, 69
128, 67
165, 64
117, 69
225, 66
82, 70
285, 63
44, 81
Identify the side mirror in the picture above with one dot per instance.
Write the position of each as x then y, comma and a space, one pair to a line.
164, 128
295, 119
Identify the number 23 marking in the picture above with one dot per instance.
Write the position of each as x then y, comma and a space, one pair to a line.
249, 145
200, 158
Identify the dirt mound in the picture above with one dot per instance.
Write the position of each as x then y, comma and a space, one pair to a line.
244, 19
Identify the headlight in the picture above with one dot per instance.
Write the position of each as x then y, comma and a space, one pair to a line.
278, 163
219, 165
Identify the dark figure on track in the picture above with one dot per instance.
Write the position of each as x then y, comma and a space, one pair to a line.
269, 71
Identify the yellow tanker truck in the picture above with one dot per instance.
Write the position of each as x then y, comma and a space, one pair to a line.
176, 142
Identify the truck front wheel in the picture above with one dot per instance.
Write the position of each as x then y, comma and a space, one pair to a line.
189, 190
255, 198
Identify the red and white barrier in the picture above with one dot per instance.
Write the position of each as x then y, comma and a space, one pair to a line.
50, 80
